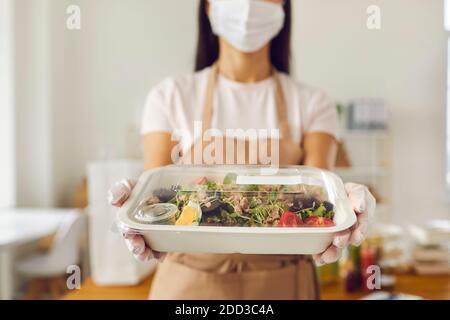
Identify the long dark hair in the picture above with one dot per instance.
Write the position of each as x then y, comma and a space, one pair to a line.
208, 42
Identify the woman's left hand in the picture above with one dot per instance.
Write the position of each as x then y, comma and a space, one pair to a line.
363, 204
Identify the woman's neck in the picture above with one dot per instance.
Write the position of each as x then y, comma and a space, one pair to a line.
244, 67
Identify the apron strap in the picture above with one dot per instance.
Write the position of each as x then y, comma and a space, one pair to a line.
209, 101
280, 101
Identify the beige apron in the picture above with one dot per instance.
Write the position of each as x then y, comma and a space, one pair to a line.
201, 276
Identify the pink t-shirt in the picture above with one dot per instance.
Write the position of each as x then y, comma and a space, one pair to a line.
176, 103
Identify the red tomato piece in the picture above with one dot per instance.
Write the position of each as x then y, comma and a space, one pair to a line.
290, 219
318, 222
201, 180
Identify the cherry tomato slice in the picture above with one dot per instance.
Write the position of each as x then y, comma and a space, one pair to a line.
318, 222
290, 219
201, 180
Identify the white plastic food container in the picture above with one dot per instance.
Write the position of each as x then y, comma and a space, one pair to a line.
238, 209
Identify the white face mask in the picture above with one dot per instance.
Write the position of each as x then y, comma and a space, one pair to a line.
248, 25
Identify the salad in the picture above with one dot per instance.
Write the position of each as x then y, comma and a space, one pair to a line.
208, 202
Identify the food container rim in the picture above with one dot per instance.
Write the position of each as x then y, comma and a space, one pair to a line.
349, 221
122, 214
228, 168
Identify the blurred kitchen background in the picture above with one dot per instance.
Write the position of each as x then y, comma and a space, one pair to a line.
70, 105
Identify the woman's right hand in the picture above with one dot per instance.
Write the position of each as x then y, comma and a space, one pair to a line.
117, 196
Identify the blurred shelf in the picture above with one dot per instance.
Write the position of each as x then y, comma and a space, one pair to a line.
370, 151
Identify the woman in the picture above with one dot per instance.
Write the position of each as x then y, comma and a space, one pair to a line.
242, 82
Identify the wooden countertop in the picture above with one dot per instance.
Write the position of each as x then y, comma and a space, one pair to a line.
90, 291
428, 287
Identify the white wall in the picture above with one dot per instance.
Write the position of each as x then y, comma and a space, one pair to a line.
33, 113
101, 74
80, 93
7, 123
404, 62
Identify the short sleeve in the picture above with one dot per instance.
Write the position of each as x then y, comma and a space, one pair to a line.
322, 115
156, 117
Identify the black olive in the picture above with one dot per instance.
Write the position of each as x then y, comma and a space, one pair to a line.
227, 207
311, 203
212, 205
298, 204
164, 195
328, 206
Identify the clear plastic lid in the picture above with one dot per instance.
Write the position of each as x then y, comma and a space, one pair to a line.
238, 196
